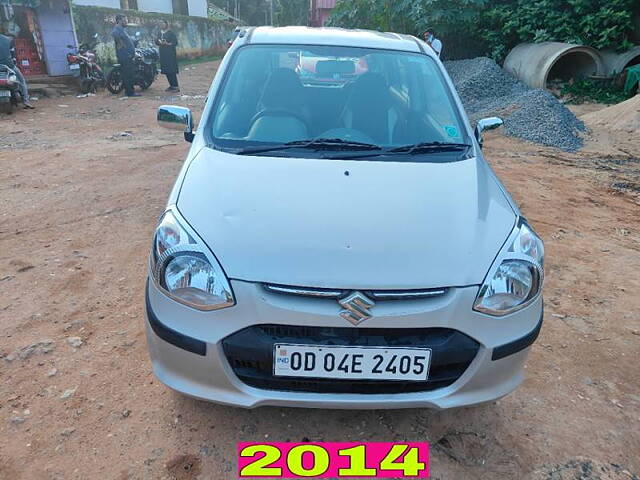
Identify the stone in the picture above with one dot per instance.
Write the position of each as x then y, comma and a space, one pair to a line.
68, 393
75, 342
39, 348
534, 115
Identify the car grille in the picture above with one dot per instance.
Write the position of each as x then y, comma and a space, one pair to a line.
339, 293
250, 354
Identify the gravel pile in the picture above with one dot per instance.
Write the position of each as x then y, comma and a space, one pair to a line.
535, 115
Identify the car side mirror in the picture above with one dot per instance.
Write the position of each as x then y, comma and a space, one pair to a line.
486, 124
177, 118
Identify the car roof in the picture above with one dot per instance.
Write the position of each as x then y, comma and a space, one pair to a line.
334, 37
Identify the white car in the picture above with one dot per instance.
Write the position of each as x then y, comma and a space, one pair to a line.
336, 239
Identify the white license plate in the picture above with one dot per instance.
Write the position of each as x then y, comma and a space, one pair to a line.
355, 363
74, 66
5, 93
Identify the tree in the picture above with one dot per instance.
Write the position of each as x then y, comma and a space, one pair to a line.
600, 24
251, 12
454, 20
292, 12
472, 27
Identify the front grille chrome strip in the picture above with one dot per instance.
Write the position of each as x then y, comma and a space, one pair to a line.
408, 294
305, 292
375, 294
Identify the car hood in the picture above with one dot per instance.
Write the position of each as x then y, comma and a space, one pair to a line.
347, 224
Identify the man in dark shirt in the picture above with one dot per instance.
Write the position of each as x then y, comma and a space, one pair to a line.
7, 59
167, 43
125, 51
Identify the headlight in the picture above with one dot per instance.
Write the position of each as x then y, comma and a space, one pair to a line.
516, 281
528, 243
185, 270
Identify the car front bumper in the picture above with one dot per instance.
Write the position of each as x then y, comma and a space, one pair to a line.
187, 352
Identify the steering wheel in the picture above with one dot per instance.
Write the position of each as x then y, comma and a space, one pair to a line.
279, 112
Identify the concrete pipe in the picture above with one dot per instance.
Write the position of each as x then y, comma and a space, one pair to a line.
536, 64
615, 63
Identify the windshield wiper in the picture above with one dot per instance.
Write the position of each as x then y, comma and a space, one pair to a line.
427, 147
337, 143
315, 144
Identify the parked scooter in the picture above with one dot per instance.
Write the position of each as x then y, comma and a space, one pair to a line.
145, 69
9, 90
84, 63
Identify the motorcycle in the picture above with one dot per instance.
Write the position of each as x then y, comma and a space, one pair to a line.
9, 90
145, 70
84, 63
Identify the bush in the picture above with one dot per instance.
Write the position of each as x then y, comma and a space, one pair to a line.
596, 23
494, 28
589, 90
454, 21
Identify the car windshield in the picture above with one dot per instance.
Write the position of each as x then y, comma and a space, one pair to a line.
276, 95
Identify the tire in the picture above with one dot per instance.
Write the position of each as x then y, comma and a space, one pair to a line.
99, 80
86, 85
147, 80
114, 81
146, 83
6, 108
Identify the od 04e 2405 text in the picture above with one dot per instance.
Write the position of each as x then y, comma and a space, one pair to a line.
333, 460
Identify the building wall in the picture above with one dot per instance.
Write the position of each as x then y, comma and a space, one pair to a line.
323, 16
197, 8
99, 3
321, 11
197, 36
158, 6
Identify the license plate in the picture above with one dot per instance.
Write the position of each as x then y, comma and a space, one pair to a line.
355, 363
74, 66
5, 93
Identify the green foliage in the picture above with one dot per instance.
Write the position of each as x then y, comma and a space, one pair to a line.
597, 23
291, 12
406, 16
496, 26
598, 91
258, 12
384, 15
454, 20
251, 12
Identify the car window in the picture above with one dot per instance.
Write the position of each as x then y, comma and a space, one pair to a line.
275, 94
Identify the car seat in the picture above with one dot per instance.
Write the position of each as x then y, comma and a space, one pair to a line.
281, 117
370, 109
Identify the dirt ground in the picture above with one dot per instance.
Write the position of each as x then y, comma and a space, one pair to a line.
82, 182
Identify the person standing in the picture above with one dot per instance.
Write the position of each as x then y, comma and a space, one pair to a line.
6, 58
125, 51
167, 42
432, 41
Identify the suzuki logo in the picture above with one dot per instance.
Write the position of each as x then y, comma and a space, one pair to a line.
356, 308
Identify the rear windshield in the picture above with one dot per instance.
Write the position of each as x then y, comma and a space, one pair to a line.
277, 94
